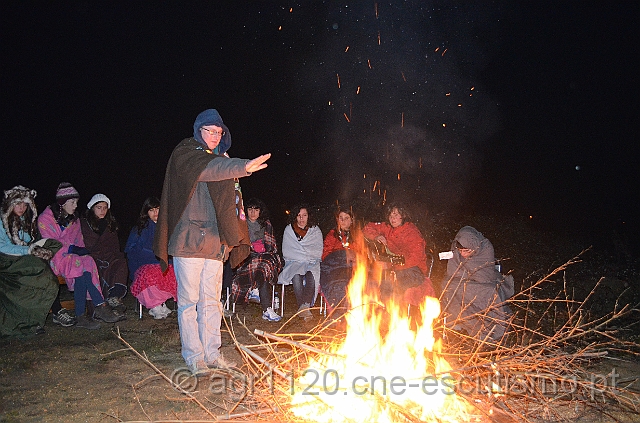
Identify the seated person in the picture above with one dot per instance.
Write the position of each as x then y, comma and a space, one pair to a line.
403, 238
28, 287
59, 221
302, 251
150, 286
100, 234
259, 270
336, 268
474, 290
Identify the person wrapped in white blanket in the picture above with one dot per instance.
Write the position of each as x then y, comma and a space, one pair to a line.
302, 246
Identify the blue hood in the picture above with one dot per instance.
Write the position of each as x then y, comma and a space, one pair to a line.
212, 117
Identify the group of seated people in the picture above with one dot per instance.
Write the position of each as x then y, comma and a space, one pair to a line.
84, 251
313, 265
473, 290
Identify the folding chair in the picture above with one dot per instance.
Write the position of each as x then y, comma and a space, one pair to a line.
323, 306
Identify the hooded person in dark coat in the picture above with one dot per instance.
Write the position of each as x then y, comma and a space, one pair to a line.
474, 290
199, 224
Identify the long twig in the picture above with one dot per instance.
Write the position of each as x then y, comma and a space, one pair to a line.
292, 342
159, 372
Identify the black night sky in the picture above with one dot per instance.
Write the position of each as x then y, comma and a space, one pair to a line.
498, 107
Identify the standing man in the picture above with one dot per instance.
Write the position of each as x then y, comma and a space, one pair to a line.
199, 226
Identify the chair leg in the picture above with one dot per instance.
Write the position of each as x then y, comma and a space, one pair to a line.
282, 302
323, 306
273, 300
139, 306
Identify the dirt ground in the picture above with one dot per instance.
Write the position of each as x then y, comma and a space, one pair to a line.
77, 375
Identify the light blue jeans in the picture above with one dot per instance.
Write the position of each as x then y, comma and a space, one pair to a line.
199, 308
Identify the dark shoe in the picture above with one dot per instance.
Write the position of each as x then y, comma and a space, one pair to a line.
221, 363
117, 304
121, 315
199, 369
304, 313
106, 314
64, 318
87, 322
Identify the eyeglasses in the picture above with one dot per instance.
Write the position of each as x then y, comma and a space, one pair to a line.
213, 133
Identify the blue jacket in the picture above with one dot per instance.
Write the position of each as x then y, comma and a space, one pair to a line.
139, 248
8, 247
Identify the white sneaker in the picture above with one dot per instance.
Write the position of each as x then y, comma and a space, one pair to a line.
166, 310
157, 312
254, 296
271, 315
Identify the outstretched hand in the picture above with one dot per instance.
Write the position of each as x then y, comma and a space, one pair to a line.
257, 164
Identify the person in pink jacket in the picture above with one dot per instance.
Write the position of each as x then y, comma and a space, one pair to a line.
403, 238
73, 262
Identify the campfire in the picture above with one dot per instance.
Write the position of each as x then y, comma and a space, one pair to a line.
382, 371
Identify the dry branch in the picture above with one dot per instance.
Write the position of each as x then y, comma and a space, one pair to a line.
543, 367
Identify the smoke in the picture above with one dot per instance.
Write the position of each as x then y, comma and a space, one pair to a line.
395, 98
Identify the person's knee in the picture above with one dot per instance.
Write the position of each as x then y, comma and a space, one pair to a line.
83, 281
296, 280
187, 297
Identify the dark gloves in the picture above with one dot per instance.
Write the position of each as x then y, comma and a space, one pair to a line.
81, 251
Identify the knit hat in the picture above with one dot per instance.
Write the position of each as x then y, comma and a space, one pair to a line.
212, 117
98, 198
65, 192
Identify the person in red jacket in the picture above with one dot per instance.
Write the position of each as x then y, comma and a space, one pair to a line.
403, 238
338, 258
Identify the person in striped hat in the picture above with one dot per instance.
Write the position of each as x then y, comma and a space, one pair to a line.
60, 221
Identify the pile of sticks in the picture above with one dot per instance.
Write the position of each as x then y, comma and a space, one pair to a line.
548, 366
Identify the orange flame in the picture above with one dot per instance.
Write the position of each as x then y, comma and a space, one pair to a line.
375, 378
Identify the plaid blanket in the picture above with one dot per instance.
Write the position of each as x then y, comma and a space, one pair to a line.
257, 267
